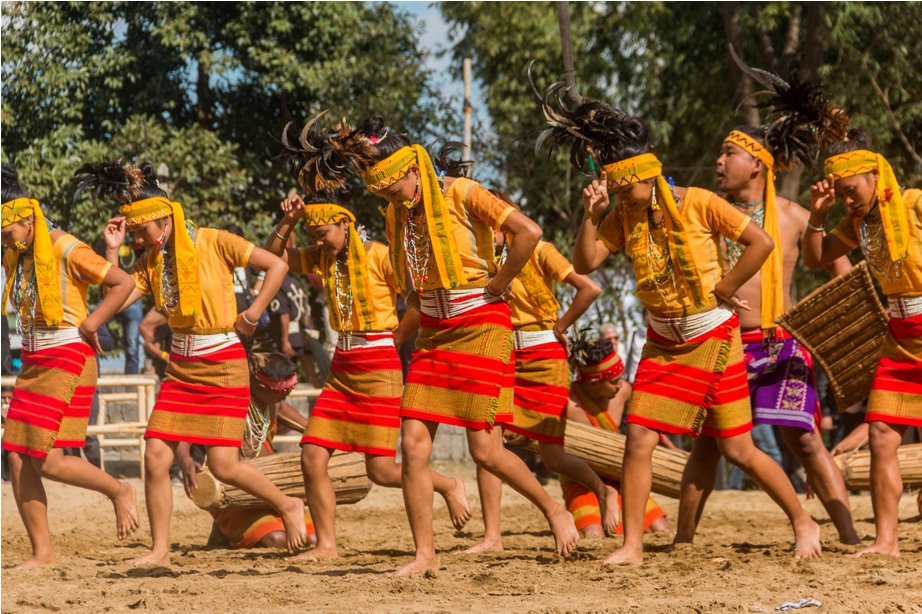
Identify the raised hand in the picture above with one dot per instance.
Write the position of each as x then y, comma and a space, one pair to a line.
114, 232
823, 195
293, 207
595, 197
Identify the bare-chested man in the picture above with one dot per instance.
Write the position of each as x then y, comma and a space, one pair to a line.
780, 372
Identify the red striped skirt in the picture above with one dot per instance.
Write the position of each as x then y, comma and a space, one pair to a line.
462, 371
584, 505
359, 406
203, 399
695, 387
542, 392
51, 400
896, 395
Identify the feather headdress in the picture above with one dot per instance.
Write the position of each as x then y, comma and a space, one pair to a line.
802, 121
450, 160
109, 181
592, 123
320, 159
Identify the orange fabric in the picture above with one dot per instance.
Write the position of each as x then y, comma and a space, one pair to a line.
584, 505
219, 253
706, 217
552, 267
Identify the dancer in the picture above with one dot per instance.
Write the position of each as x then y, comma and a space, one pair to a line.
691, 378
542, 379
48, 274
189, 271
358, 408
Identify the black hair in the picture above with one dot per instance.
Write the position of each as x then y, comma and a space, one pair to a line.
10, 188
855, 140
232, 228
757, 133
341, 197
386, 141
450, 159
504, 197
113, 181
598, 350
274, 365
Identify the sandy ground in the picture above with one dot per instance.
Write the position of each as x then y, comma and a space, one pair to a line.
741, 562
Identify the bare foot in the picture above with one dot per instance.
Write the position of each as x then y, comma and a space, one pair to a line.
625, 556
877, 548
37, 561
487, 545
566, 536
850, 539
418, 565
126, 510
151, 558
458, 507
317, 554
609, 505
807, 540
293, 519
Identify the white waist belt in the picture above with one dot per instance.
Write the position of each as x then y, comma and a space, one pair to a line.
444, 304
348, 341
525, 339
684, 329
43, 338
903, 307
189, 346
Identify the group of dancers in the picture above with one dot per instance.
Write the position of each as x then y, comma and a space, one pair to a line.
493, 353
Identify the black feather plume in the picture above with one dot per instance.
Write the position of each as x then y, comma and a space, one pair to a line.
450, 159
109, 181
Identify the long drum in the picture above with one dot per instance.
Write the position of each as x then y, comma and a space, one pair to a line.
346, 469
842, 324
856, 467
604, 450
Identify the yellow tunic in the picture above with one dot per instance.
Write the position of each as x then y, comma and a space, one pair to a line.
910, 282
475, 214
219, 253
79, 267
707, 218
383, 293
549, 266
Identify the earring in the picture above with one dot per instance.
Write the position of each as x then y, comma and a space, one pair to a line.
19, 246
409, 204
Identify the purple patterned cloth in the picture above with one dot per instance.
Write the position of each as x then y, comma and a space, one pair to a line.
781, 385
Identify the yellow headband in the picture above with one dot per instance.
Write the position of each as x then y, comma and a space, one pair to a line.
17, 209
322, 214
389, 170
633, 170
772, 294
889, 198
147, 210
46, 265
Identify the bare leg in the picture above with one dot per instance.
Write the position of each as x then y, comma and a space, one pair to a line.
29, 494
742, 452
321, 499
225, 464
636, 481
576, 469
76, 471
158, 491
825, 478
491, 498
697, 484
488, 452
418, 493
886, 487
307, 363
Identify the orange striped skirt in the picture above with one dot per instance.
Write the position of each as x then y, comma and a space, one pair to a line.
695, 387
542, 392
359, 406
584, 505
51, 400
896, 395
204, 399
244, 527
462, 371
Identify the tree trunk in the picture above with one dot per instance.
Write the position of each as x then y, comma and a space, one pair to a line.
742, 84
203, 89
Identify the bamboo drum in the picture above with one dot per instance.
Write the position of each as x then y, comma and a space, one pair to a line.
347, 472
604, 450
856, 467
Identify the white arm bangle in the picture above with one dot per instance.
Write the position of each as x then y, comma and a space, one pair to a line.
244, 314
814, 228
276, 231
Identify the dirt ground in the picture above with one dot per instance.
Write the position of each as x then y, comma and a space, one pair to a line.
741, 562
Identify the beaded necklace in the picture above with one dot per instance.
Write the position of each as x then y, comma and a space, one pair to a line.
24, 295
344, 299
257, 428
418, 246
169, 290
874, 245
658, 246
757, 214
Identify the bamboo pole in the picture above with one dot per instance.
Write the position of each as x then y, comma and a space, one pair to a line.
856, 466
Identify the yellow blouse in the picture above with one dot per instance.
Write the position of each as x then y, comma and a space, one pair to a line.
909, 283
219, 253
79, 267
707, 218
549, 266
383, 284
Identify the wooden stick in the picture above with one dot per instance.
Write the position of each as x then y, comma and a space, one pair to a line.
856, 466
